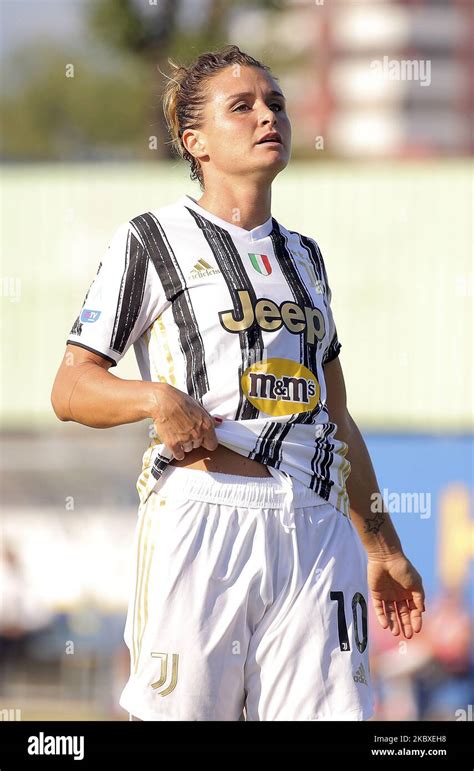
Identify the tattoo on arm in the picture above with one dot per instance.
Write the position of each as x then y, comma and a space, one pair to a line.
373, 524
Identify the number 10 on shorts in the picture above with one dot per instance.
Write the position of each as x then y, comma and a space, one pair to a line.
357, 601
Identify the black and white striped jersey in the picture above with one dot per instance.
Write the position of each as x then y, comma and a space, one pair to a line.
238, 319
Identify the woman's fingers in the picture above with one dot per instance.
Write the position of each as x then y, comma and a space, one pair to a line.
416, 609
178, 451
184, 425
391, 614
405, 619
380, 613
209, 439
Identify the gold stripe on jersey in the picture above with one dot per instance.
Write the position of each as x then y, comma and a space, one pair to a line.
139, 588
143, 604
142, 481
137, 582
145, 595
343, 471
163, 344
157, 335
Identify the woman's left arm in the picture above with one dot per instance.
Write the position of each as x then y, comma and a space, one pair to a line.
396, 586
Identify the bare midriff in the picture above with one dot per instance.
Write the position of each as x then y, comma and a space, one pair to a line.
222, 460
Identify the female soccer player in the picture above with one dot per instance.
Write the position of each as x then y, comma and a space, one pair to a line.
251, 580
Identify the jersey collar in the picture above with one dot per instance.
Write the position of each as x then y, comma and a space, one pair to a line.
255, 234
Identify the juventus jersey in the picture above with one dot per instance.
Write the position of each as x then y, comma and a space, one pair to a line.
238, 319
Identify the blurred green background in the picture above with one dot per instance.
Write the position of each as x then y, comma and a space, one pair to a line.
381, 176
397, 245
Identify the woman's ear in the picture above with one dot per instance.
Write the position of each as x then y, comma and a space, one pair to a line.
193, 143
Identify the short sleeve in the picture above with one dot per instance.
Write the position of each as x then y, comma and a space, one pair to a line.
123, 300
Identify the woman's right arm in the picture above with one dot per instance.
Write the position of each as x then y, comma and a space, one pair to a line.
85, 392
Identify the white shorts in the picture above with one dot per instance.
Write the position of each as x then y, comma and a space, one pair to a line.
237, 605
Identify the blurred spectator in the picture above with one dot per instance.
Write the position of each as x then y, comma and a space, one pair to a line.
22, 609
430, 676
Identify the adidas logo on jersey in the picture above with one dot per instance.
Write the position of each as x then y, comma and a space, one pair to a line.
202, 268
359, 676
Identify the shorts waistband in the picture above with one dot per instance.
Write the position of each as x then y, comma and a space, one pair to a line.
278, 491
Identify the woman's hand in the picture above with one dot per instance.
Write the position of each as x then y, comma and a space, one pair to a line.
180, 422
397, 594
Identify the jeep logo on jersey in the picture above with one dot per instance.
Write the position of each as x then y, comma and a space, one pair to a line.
280, 387
261, 263
90, 316
270, 317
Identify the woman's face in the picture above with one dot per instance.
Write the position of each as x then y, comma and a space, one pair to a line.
244, 104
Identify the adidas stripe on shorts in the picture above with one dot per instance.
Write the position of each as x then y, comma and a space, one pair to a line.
243, 605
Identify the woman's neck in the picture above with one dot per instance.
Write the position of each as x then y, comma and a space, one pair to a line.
245, 206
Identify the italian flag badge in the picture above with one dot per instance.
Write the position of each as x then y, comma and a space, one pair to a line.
261, 263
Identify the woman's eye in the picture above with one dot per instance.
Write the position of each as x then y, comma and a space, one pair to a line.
273, 104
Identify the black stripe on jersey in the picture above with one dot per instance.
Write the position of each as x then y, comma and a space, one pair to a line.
269, 445
321, 462
318, 263
317, 259
230, 264
316, 256
77, 326
302, 297
269, 452
298, 289
333, 349
268, 448
159, 465
159, 251
132, 290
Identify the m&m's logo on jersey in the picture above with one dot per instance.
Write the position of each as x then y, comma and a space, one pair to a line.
89, 316
280, 387
261, 263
